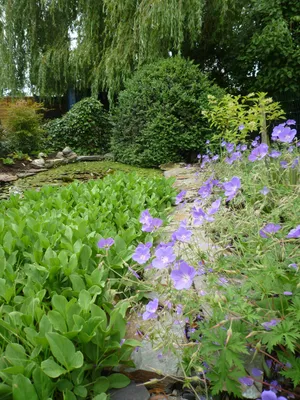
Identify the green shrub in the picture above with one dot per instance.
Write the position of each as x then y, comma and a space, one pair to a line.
23, 125
84, 128
159, 114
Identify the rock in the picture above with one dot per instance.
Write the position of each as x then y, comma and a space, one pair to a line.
42, 155
38, 163
8, 178
55, 162
90, 158
109, 157
131, 392
67, 150
60, 155
25, 174
71, 156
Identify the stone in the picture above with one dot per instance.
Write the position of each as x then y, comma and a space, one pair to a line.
25, 174
55, 162
130, 392
8, 178
90, 158
67, 150
38, 163
60, 155
42, 155
71, 156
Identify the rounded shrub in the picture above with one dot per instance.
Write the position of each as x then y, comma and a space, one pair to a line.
158, 117
85, 128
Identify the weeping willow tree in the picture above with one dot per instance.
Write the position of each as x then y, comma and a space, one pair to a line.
112, 39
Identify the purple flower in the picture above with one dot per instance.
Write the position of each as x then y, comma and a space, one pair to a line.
295, 163
287, 293
287, 135
105, 243
256, 372
259, 153
198, 215
205, 190
294, 233
183, 276
134, 273
182, 234
290, 122
151, 309
275, 154
278, 129
294, 266
283, 164
268, 325
243, 147
291, 149
237, 155
164, 257
232, 187
254, 143
207, 142
246, 381
229, 147
179, 309
223, 281
180, 197
142, 253
215, 206
223, 143
264, 190
215, 157
146, 218
268, 395
268, 229
241, 127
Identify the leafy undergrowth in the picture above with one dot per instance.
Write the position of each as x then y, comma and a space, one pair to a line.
247, 305
60, 325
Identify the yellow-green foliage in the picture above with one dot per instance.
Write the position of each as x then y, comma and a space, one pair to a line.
254, 111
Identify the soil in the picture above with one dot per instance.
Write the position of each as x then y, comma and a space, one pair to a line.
18, 166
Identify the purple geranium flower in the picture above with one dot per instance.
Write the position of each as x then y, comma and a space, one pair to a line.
151, 309
215, 206
241, 127
232, 187
268, 229
283, 164
150, 224
237, 155
246, 381
105, 243
278, 129
229, 147
268, 325
183, 276
254, 143
256, 372
134, 273
215, 157
180, 197
275, 154
290, 122
198, 215
287, 135
265, 190
259, 153
146, 217
182, 234
205, 190
287, 293
142, 253
294, 233
295, 163
243, 147
164, 257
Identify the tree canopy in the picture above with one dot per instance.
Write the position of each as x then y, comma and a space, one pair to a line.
51, 45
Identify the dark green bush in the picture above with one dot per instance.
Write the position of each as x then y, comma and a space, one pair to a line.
159, 114
85, 128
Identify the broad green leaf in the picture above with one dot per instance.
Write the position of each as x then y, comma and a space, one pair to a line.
85, 255
101, 396
23, 389
117, 381
57, 321
84, 300
68, 395
64, 351
77, 282
15, 354
101, 385
60, 303
43, 385
15, 370
52, 369
4, 390
80, 391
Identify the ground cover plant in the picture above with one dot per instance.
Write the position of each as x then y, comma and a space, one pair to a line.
60, 324
248, 304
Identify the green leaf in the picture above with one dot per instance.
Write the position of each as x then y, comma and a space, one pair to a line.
23, 389
64, 351
68, 395
84, 300
4, 390
85, 255
117, 381
81, 391
101, 396
43, 385
15, 354
101, 385
57, 321
52, 369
